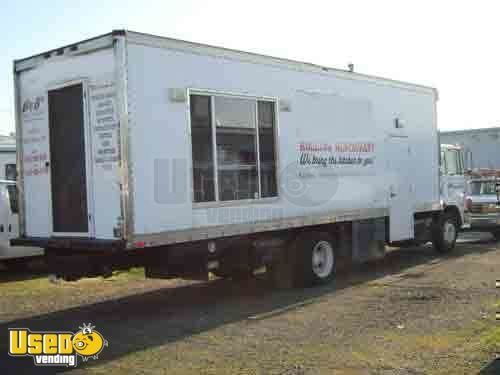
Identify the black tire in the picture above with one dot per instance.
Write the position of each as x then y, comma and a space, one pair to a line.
496, 235
310, 267
445, 233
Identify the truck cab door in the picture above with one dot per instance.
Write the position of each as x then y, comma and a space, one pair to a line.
453, 184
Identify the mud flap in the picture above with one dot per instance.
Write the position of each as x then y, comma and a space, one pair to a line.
368, 240
280, 272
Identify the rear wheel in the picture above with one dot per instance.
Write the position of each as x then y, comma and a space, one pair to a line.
445, 233
316, 259
496, 235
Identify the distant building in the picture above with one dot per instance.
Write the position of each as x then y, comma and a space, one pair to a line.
481, 146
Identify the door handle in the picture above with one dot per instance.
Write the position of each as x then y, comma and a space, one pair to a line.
393, 194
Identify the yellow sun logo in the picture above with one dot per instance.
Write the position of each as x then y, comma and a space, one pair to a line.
88, 342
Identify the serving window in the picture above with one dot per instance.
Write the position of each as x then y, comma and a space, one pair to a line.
233, 148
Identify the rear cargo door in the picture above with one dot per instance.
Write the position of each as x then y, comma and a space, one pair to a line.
68, 162
401, 189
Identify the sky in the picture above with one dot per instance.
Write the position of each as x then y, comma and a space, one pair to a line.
450, 45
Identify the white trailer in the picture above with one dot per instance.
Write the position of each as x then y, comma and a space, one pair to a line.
182, 157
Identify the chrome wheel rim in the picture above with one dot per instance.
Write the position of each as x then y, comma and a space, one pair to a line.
323, 259
449, 232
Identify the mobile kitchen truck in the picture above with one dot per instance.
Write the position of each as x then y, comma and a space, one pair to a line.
185, 158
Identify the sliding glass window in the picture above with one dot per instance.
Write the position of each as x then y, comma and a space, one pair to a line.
242, 133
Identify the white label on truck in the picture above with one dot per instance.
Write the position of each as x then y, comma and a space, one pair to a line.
105, 125
336, 155
35, 138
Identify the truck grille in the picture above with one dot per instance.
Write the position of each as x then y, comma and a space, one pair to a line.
485, 208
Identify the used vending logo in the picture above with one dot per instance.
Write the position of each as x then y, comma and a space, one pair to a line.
56, 348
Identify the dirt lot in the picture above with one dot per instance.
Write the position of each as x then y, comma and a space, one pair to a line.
413, 313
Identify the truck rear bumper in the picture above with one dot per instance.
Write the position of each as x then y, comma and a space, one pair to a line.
73, 243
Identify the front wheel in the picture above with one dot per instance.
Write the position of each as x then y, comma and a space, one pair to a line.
496, 235
445, 233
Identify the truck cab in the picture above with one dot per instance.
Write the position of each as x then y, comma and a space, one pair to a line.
453, 182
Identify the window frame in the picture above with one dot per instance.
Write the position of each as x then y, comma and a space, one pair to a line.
458, 162
255, 98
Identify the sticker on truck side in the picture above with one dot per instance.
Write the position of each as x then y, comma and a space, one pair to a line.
35, 140
336, 155
104, 118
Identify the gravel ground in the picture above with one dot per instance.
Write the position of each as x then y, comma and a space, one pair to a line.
414, 312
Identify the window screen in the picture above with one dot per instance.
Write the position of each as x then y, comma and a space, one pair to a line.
267, 149
236, 148
202, 149
245, 148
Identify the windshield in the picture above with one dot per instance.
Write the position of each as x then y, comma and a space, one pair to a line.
483, 187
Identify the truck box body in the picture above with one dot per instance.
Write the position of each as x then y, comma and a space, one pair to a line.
146, 141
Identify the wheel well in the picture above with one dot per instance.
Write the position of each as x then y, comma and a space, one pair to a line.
454, 211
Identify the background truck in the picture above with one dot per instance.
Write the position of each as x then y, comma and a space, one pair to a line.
184, 158
8, 158
482, 201
11, 256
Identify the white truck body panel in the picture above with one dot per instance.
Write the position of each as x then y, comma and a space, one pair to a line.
320, 112
96, 71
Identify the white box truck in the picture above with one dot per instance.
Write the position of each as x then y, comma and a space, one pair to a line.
135, 149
